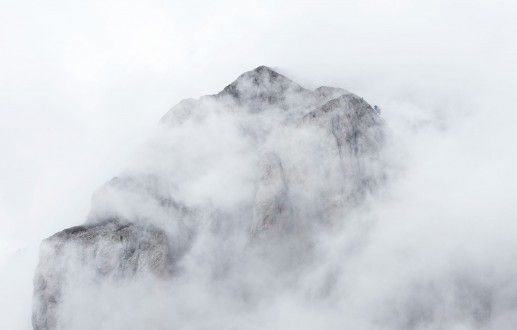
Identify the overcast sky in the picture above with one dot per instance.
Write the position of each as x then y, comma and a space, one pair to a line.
83, 83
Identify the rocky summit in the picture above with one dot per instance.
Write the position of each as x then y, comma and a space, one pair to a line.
230, 194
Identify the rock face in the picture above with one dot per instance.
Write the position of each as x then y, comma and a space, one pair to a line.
263, 156
256, 91
355, 126
272, 198
108, 249
262, 88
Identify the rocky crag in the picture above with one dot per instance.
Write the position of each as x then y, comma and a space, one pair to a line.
262, 163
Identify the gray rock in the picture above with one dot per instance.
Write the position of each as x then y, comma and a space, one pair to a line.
262, 88
272, 197
111, 249
291, 195
358, 131
255, 91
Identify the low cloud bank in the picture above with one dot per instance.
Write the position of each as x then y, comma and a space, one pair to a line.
272, 227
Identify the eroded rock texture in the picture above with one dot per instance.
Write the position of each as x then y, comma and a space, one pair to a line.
263, 158
105, 250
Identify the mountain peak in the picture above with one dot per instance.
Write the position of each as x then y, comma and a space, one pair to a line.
261, 76
261, 185
265, 69
264, 73
260, 86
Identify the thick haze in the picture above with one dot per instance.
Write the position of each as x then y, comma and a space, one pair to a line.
83, 85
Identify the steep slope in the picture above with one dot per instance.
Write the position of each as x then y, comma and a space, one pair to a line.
110, 249
261, 164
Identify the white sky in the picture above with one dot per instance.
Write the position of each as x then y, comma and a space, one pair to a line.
82, 83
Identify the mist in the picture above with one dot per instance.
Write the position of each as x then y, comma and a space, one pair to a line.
83, 88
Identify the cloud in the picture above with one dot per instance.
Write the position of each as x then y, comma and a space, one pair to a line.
83, 87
